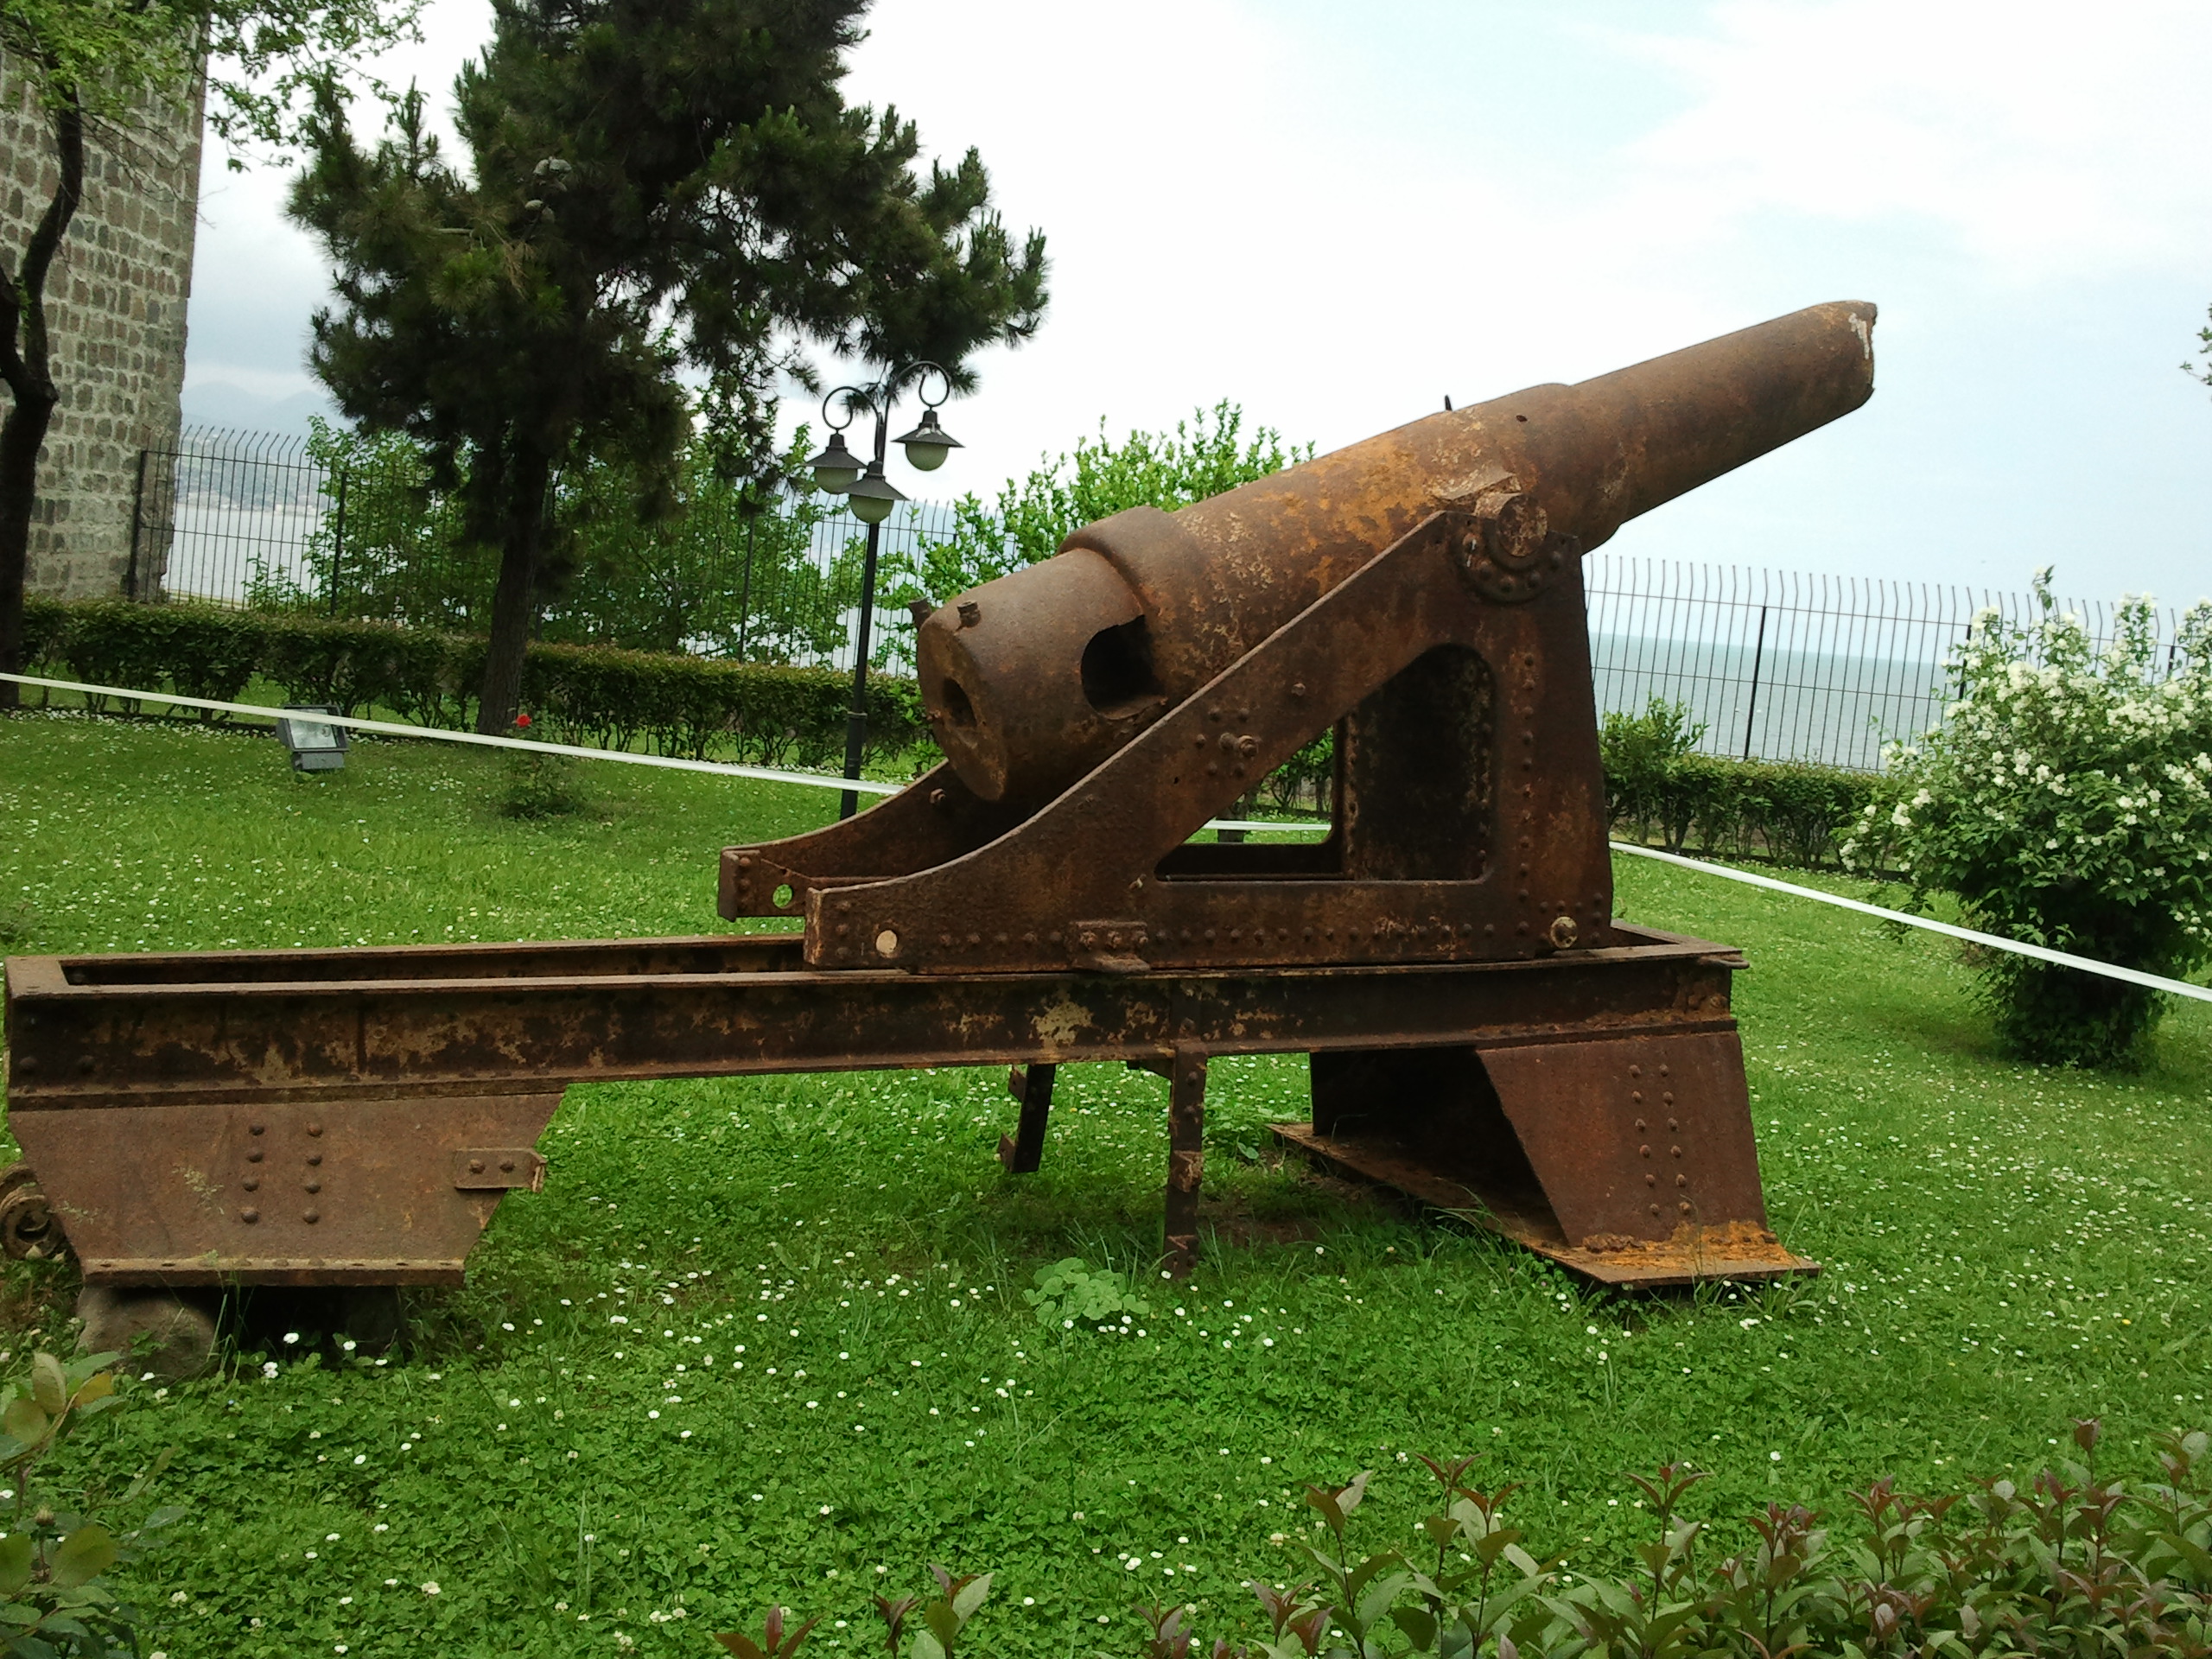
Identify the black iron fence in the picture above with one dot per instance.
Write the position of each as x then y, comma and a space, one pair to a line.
1773, 665
254, 520
1779, 665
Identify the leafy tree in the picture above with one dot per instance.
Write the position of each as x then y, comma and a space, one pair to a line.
654, 186
1202, 457
2066, 801
715, 565
95, 68
2201, 371
387, 544
728, 571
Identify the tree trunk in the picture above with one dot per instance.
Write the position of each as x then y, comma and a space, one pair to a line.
514, 601
20, 437
26, 365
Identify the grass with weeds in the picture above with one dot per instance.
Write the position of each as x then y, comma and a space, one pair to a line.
766, 1338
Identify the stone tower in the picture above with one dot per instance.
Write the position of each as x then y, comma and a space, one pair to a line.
115, 310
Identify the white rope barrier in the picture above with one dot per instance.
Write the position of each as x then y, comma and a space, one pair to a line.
820, 780
2175, 986
764, 774
672, 763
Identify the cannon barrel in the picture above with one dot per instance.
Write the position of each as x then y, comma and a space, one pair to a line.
1031, 680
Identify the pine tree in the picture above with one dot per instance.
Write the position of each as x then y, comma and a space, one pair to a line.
654, 186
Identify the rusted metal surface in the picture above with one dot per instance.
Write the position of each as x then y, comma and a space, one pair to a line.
270, 1192
1434, 789
1032, 679
1629, 1159
28, 1230
1186, 1155
1741, 1250
145, 1087
423, 1023
1022, 1152
1483, 1032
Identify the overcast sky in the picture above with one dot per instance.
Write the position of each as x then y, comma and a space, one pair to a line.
1335, 215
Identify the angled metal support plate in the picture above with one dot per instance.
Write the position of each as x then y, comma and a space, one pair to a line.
332, 1192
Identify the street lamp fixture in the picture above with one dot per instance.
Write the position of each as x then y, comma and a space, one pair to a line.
873, 496
838, 471
928, 444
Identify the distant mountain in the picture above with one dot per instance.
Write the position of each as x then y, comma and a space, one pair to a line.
217, 403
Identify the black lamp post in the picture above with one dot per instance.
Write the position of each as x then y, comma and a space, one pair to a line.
838, 471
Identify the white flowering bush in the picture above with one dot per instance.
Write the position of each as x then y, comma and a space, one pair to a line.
2066, 801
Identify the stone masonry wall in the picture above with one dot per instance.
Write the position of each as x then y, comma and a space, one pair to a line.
115, 315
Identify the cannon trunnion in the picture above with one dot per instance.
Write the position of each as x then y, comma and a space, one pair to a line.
1483, 1034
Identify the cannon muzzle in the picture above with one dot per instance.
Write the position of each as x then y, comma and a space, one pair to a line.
1031, 680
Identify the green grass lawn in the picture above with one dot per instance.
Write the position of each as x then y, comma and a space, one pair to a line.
763, 1339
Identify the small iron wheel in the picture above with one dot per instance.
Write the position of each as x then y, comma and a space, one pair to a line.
28, 1231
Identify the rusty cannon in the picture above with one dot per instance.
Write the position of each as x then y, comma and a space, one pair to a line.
1483, 1034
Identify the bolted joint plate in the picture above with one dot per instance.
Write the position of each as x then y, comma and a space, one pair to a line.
360, 1192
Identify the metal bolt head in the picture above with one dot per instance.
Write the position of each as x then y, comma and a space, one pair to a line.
886, 944
311, 1217
314, 1128
1512, 527
249, 1216
476, 1166
1564, 932
507, 1164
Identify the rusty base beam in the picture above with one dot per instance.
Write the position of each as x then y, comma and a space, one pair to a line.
412, 1022
1740, 1250
143, 1087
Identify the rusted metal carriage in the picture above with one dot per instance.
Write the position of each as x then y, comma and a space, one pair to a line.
1483, 1032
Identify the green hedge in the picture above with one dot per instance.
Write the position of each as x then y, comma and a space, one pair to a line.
676, 705
1657, 787
1789, 812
